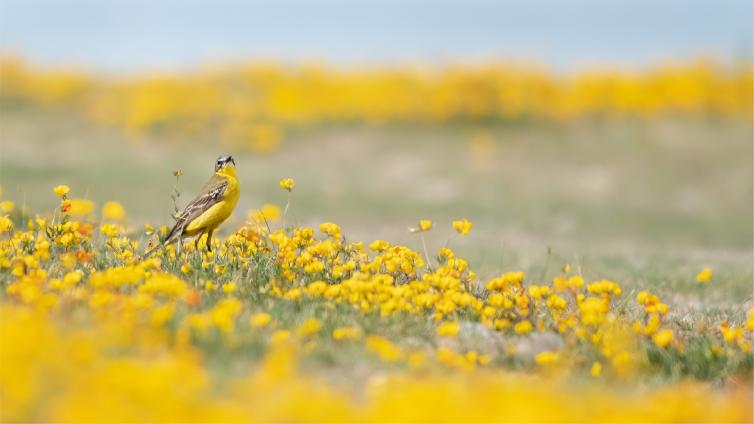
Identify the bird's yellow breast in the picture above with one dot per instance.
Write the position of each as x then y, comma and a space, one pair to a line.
219, 212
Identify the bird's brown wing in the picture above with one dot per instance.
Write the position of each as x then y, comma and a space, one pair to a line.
211, 193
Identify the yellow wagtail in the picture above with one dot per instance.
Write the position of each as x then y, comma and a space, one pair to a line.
210, 208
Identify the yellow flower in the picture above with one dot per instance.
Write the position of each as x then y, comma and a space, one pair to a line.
386, 350
309, 327
596, 370
379, 245
463, 226
314, 267
81, 207
448, 329
292, 294
224, 313
167, 284
425, 224
651, 303
229, 287
446, 253
663, 338
730, 334
68, 260
268, 212
331, 229
346, 333
287, 184
416, 359
260, 320
279, 337
72, 278
5, 224
451, 358
110, 230
523, 327
705, 275
162, 314
7, 206
546, 358
113, 210
61, 190
593, 310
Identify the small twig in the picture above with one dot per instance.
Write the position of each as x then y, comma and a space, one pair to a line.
426, 254
285, 211
547, 265
264, 218
176, 193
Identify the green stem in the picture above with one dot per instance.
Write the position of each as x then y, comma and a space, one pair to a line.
426, 254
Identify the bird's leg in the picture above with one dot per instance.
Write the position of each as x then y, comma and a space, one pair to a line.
197, 252
196, 241
209, 240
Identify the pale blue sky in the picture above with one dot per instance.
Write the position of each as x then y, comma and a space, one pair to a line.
133, 35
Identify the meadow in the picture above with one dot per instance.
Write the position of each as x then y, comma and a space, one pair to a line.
552, 266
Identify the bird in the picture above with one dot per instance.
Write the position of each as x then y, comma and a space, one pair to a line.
210, 208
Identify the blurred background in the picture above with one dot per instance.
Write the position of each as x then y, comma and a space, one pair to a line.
593, 129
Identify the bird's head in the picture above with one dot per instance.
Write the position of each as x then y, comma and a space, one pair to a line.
225, 165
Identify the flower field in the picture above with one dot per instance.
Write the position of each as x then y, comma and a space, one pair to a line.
472, 242
287, 322
252, 106
376, 212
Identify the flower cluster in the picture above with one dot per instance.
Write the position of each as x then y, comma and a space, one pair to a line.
250, 105
99, 333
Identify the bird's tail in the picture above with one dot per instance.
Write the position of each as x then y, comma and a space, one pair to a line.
173, 235
165, 243
152, 250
